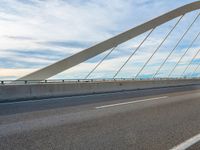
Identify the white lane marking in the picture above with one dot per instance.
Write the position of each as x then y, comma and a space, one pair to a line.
57, 98
131, 102
188, 143
52, 99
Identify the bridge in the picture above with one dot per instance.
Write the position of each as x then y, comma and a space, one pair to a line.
143, 104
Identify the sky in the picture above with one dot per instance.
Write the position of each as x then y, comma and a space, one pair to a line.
37, 33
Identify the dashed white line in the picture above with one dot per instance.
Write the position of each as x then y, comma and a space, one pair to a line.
188, 143
131, 102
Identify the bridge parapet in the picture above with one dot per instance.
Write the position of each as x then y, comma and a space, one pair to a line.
50, 90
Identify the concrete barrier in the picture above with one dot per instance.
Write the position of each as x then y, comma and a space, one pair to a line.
36, 91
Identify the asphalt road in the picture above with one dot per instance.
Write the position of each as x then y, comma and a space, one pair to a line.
155, 119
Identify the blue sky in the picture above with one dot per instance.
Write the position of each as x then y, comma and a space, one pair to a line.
36, 33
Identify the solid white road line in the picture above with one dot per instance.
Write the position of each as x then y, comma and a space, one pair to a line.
131, 102
53, 99
56, 98
187, 143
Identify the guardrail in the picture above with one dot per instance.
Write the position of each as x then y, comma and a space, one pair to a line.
55, 81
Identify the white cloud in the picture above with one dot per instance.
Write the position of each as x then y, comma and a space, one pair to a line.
27, 26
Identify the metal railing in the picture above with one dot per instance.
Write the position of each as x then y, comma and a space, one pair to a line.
73, 81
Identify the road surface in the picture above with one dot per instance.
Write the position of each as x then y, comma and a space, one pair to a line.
154, 119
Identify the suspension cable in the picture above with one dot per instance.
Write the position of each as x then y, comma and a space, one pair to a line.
195, 69
175, 47
100, 62
184, 54
158, 47
133, 53
190, 62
